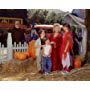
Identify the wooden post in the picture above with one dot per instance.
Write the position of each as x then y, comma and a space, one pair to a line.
0, 52
9, 47
87, 22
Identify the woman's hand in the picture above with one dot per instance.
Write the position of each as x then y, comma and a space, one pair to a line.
53, 43
39, 46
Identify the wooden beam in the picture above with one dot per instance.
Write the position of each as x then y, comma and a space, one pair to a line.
87, 22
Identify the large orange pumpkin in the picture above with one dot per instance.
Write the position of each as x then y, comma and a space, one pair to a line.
32, 49
27, 54
77, 62
16, 55
20, 55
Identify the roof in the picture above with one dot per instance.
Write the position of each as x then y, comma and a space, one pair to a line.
79, 13
78, 20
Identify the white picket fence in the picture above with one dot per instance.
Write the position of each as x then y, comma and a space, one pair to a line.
6, 53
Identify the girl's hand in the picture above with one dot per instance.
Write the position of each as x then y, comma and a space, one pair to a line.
64, 51
65, 54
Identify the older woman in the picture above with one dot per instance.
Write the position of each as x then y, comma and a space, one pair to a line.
56, 41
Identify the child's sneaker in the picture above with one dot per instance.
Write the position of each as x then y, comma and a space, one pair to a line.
63, 72
68, 70
46, 73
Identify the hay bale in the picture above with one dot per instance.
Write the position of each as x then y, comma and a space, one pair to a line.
15, 66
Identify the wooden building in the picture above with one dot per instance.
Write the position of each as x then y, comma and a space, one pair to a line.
87, 22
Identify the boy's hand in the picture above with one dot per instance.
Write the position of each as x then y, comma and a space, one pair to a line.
42, 45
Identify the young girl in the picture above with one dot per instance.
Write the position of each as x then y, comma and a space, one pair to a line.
46, 57
39, 43
67, 46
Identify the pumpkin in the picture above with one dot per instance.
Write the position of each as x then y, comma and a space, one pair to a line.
27, 54
77, 62
32, 49
81, 58
16, 55
20, 55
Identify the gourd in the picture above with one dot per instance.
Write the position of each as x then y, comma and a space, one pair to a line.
77, 62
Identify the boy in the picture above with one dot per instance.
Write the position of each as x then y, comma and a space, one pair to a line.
46, 57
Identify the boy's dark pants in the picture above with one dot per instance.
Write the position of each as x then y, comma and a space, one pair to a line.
46, 64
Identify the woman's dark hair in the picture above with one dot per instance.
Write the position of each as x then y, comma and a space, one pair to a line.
67, 25
40, 31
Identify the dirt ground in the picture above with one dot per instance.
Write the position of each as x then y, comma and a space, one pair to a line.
26, 71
